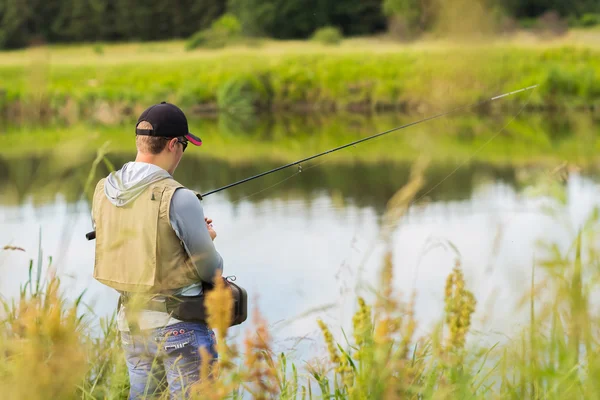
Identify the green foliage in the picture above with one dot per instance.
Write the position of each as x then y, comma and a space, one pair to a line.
410, 13
328, 35
26, 22
535, 8
254, 16
311, 78
409, 18
225, 30
243, 93
589, 20
580, 85
13, 24
286, 19
99, 49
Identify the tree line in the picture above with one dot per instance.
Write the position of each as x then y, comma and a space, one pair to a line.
30, 22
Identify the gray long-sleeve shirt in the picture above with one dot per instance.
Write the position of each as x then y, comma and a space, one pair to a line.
187, 219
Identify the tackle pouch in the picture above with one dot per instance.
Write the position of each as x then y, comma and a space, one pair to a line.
192, 308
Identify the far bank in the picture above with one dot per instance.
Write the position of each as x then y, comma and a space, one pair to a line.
114, 82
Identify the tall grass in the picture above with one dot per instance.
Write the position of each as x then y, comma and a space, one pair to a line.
48, 348
354, 77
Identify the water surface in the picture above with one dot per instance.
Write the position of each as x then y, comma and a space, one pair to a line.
301, 241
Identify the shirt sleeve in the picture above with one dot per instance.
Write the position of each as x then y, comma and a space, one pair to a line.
187, 219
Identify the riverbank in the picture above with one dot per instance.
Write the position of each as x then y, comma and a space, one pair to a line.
109, 83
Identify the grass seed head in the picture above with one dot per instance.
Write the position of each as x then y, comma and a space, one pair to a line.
260, 369
460, 305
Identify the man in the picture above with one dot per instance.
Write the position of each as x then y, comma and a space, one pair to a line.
153, 243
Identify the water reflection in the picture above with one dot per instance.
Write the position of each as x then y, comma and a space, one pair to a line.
41, 178
300, 243
294, 257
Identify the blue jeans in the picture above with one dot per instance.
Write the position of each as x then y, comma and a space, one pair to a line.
166, 356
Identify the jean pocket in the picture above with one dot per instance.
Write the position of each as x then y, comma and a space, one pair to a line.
175, 342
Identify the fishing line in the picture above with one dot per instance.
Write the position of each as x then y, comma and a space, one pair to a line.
365, 258
299, 171
469, 158
463, 163
365, 139
265, 189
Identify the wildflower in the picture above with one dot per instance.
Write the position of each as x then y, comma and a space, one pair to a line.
333, 354
342, 364
43, 335
208, 387
219, 307
460, 305
362, 325
260, 367
219, 303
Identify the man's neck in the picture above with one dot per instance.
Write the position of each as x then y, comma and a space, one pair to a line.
151, 159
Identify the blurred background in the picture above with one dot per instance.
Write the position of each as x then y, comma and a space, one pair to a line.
266, 82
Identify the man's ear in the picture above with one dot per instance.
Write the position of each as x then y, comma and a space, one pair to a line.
172, 144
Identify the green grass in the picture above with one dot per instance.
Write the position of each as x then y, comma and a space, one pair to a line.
75, 81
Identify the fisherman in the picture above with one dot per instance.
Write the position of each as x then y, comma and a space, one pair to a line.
152, 242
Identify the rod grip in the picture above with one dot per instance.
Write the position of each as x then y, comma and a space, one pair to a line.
91, 235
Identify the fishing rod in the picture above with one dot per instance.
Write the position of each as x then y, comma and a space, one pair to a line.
92, 235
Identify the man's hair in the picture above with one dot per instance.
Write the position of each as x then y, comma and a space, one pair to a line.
149, 144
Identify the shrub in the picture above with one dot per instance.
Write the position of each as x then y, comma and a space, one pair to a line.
223, 31
243, 93
328, 35
98, 49
589, 20
579, 86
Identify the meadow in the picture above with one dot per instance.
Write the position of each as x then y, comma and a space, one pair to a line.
110, 82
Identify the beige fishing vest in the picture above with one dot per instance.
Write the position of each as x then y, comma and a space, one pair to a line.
137, 250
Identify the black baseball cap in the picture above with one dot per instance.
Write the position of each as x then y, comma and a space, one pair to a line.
167, 120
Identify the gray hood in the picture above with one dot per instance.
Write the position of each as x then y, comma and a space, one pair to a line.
129, 182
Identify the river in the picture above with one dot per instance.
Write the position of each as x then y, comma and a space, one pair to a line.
302, 241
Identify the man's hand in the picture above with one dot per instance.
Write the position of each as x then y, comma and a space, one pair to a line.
209, 226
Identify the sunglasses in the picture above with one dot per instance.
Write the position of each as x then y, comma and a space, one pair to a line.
183, 142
